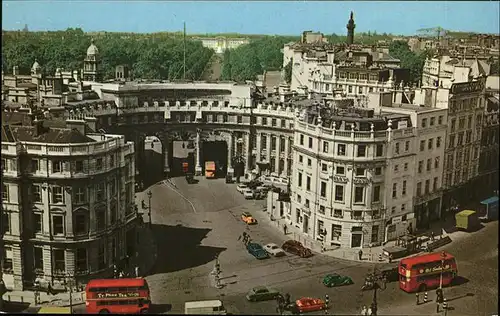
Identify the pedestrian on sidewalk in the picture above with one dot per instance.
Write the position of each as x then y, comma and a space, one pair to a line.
432, 236
364, 311
136, 271
285, 228
360, 253
390, 258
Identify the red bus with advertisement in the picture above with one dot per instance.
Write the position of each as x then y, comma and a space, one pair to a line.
423, 272
117, 296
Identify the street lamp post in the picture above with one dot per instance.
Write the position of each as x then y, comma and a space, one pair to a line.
443, 257
149, 208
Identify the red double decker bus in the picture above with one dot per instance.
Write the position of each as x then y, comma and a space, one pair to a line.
423, 272
117, 296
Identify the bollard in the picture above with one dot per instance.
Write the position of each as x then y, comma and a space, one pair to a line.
418, 298
379, 257
445, 304
425, 297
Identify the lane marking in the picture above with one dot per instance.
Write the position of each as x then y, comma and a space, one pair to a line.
180, 194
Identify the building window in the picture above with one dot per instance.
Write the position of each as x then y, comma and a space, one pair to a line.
440, 120
37, 223
378, 171
59, 261
336, 231
301, 140
322, 209
403, 192
396, 168
337, 213
36, 193
420, 166
436, 162
4, 164
56, 166
299, 179
112, 187
438, 142
79, 195
99, 192
6, 222
100, 215
273, 143
340, 170
424, 123
323, 189
306, 204
309, 162
81, 259
35, 165
375, 233
301, 159
407, 145
429, 143
57, 225
435, 184
422, 145
396, 148
325, 146
427, 186
80, 224
403, 207
360, 172
324, 167
379, 151
5, 192
419, 188
394, 190
339, 193
111, 161
361, 150
432, 121
453, 125
38, 259
239, 119
341, 149
57, 195
452, 141
113, 213
393, 210
406, 166
7, 259
376, 193
310, 142
359, 193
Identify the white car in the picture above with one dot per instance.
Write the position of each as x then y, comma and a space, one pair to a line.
248, 194
241, 187
274, 250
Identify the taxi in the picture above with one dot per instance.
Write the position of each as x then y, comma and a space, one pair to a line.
248, 218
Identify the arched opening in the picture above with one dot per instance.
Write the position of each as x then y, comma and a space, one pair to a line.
151, 161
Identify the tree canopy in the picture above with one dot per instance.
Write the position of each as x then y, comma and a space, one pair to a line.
410, 60
158, 56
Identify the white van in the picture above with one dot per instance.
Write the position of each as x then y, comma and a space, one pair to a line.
214, 307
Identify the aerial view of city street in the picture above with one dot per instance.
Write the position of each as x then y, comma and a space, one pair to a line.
250, 158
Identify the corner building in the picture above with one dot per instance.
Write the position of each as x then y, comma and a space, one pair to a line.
68, 204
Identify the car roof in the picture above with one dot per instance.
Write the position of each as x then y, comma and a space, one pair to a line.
260, 288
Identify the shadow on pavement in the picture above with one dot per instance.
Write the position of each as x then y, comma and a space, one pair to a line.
160, 308
15, 307
180, 248
460, 296
459, 280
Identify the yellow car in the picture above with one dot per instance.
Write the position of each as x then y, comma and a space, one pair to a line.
248, 218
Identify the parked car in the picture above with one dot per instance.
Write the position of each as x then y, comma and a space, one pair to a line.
274, 250
241, 187
262, 293
309, 304
248, 194
257, 251
335, 279
248, 218
190, 178
296, 248
229, 179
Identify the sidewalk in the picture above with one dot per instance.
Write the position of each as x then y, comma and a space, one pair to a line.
60, 299
147, 246
373, 254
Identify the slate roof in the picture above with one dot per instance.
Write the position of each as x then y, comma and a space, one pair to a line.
16, 118
51, 135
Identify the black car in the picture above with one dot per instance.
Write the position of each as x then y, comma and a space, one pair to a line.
190, 178
229, 179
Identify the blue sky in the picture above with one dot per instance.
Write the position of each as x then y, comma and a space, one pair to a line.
251, 17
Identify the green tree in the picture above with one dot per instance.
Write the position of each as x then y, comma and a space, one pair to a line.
409, 60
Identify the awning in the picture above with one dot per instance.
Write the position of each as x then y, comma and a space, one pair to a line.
491, 200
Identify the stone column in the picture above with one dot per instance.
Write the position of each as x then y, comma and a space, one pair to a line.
258, 149
277, 158
287, 148
230, 169
165, 146
247, 154
198, 169
268, 151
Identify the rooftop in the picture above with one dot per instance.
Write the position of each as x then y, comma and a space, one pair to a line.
43, 133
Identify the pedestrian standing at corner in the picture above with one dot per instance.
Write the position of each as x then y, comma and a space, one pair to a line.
360, 253
364, 311
285, 228
432, 236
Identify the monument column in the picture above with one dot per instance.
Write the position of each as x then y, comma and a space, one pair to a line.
230, 169
198, 169
165, 147
247, 154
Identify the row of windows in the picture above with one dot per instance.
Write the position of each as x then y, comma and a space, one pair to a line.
460, 139
359, 193
428, 164
427, 188
432, 121
461, 123
430, 143
80, 195
361, 149
62, 165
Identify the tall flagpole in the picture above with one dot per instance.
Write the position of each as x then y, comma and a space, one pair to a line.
184, 65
